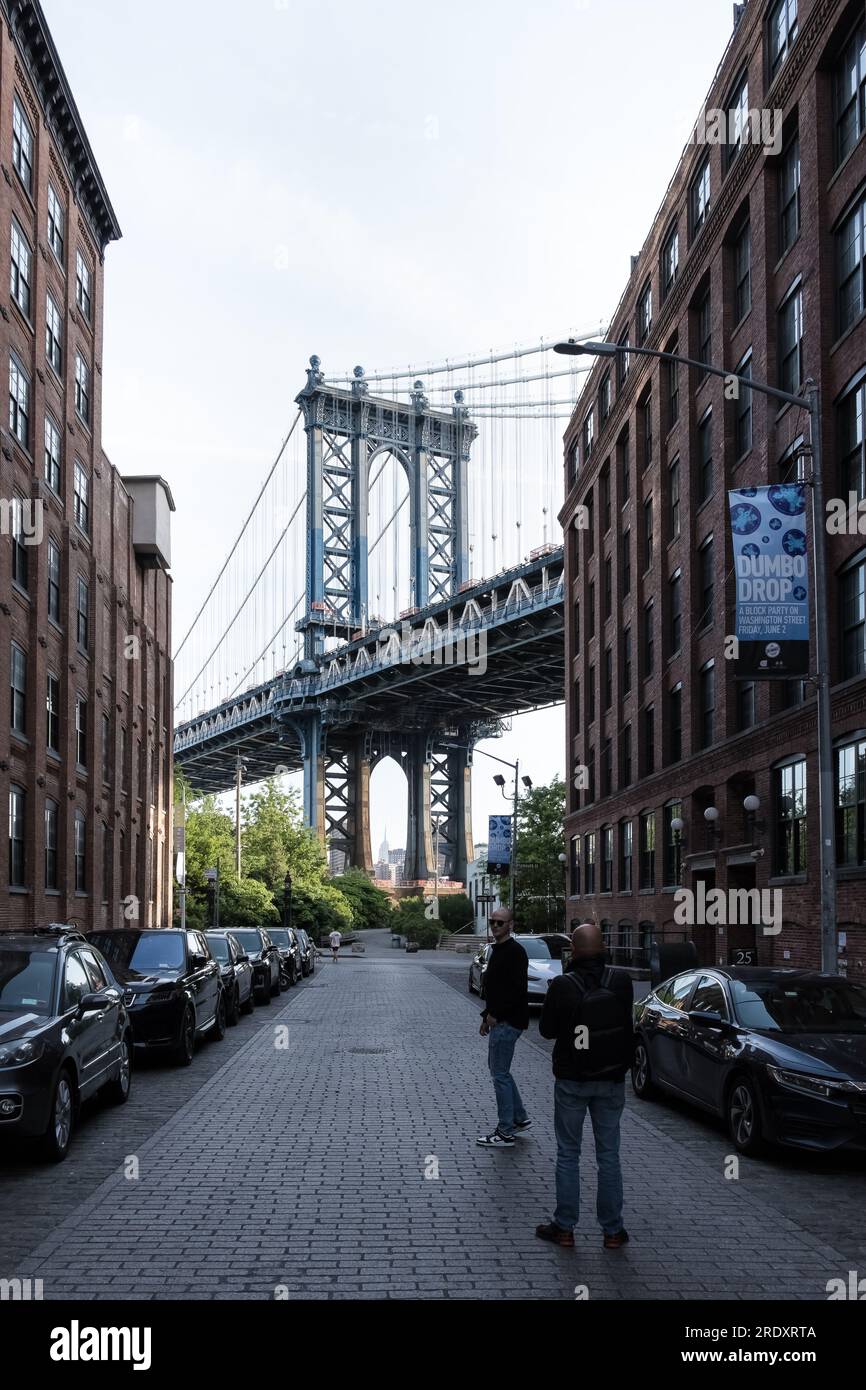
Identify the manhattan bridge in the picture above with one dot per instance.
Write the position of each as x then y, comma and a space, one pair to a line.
396, 590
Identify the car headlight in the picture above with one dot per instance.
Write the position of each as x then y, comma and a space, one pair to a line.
19, 1054
814, 1085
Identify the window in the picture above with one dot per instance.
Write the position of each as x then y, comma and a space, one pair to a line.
746, 708
575, 713
851, 93
20, 562
607, 678
782, 32
852, 466
673, 860
590, 610
573, 458
17, 864
54, 581
82, 498
707, 703
53, 335
646, 428
648, 639
21, 269
742, 273
22, 145
791, 342
107, 858
606, 767
705, 332
52, 455
80, 852
83, 615
76, 982
607, 591
622, 457
645, 313
56, 224
81, 731
588, 436
82, 388
590, 775
649, 740
699, 198
625, 771
52, 712
590, 693
790, 801
789, 195
106, 749
647, 847
676, 612
673, 373
674, 497
851, 803
850, 257
626, 837
604, 398
792, 464
575, 866
52, 821
576, 624
607, 859
705, 459
675, 723
83, 290
738, 121
590, 523
626, 562
626, 660
853, 613
18, 683
648, 533
670, 262
604, 484
19, 401
709, 998
743, 409
623, 364
589, 863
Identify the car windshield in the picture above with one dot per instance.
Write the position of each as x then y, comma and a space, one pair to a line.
249, 940
280, 937
153, 950
557, 944
534, 947
219, 947
26, 979
800, 1006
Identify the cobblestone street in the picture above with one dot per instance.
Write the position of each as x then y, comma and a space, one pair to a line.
300, 1171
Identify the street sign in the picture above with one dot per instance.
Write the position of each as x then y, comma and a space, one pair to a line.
772, 581
211, 875
179, 839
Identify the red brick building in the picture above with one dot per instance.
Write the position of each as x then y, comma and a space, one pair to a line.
85, 599
754, 262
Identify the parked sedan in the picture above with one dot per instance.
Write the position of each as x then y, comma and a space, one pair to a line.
779, 1053
236, 973
542, 967
171, 987
291, 962
264, 959
309, 954
64, 1035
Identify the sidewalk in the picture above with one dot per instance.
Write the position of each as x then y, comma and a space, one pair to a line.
304, 1167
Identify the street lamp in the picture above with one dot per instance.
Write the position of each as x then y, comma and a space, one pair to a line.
711, 816
500, 782
811, 401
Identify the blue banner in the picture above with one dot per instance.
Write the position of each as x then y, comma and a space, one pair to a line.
768, 532
499, 845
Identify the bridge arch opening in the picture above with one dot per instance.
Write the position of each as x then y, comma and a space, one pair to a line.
389, 540
389, 809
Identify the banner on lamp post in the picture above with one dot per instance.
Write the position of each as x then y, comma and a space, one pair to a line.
499, 837
768, 534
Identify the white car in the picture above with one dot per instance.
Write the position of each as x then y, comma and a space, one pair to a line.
544, 965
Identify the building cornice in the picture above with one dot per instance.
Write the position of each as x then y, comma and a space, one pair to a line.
29, 29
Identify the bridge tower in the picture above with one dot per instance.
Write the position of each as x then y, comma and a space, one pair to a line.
347, 429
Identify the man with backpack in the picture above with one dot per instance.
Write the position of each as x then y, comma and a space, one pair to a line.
588, 1010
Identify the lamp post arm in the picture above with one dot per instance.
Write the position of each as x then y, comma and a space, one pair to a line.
787, 397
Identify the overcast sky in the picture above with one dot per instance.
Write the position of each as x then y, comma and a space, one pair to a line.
376, 182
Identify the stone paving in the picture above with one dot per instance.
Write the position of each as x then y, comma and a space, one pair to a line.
302, 1167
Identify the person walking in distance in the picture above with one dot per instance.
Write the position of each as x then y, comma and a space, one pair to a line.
588, 1011
505, 1017
335, 938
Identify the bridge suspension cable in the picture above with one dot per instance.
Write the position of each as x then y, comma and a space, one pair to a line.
492, 357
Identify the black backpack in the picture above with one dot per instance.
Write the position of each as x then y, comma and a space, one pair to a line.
609, 1041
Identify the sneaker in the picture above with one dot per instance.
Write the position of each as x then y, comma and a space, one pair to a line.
523, 1127
556, 1235
496, 1140
616, 1241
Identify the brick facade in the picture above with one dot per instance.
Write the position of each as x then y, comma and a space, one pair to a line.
121, 786
740, 758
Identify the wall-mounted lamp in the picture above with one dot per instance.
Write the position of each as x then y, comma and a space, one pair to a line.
711, 817
751, 806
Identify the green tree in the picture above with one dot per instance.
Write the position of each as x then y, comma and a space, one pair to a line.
413, 923
455, 912
246, 902
540, 904
275, 841
370, 906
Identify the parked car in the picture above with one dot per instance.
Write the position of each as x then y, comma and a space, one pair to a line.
264, 959
779, 1053
64, 1035
291, 961
171, 987
542, 967
309, 954
236, 973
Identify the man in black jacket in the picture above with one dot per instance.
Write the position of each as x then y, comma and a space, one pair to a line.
588, 1010
505, 1017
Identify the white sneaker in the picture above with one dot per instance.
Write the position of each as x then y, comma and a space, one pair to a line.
496, 1141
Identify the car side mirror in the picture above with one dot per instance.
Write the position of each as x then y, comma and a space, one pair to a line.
702, 1019
243, 956
92, 1003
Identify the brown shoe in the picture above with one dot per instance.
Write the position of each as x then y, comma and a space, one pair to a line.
556, 1235
617, 1241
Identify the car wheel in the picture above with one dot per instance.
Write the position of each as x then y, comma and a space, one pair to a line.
58, 1136
641, 1078
285, 978
233, 1014
218, 1031
744, 1117
185, 1050
250, 1004
117, 1090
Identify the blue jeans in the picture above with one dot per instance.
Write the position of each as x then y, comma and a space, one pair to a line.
500, 1051
605, 1101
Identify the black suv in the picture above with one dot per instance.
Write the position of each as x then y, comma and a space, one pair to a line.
264, 958
171, 986
64, 1034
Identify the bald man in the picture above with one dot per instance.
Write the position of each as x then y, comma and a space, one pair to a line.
588, 1011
